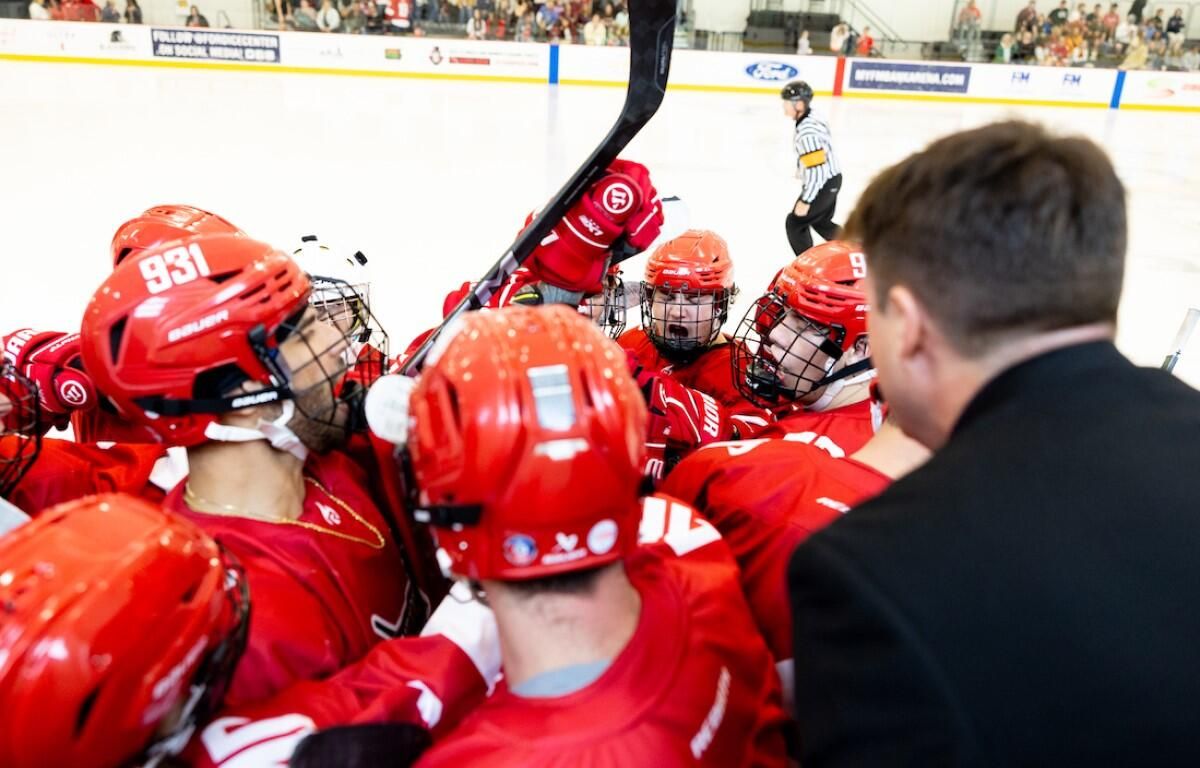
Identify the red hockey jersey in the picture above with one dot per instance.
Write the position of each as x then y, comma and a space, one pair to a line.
765, 497
65, 470
840, 432
432, 681
324, 587
694, 686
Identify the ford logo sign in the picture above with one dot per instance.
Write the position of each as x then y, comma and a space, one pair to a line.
771, 70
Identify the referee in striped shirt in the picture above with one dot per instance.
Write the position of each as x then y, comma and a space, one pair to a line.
817, 165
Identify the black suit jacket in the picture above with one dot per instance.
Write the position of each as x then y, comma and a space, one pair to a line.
1030, 596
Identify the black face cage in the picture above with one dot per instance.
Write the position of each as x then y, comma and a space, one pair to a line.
212, 678
607, 308
21, 426
348, 366
766, 375
683, 338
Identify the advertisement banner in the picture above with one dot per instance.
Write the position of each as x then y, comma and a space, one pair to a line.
702, 70
1161, 90
900, 76
1074, 85
215, 45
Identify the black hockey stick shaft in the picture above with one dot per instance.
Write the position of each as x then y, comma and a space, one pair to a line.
651, 35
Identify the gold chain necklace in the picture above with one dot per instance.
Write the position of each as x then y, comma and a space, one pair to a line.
204, 506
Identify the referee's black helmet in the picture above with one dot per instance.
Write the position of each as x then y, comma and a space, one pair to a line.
797, 90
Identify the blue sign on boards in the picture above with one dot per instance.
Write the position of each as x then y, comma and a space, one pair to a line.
888, 76
211, 44
774, 71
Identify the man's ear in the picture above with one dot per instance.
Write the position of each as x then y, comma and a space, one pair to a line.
912, 321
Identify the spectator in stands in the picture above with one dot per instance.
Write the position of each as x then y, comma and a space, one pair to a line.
1078, 14
547, 17
866, 43
620, 27
477, 26
195, 18
353, 20
525, 28
1191, 59
1005, 50
803, 46
1026, 51
1157, 21
305, 17
109, 13
1027, 18
328, 18
1175, 26
133, 12
1125, 33
595, 33
1136, 9
1156, 58
1137, 54
1093, 18
1174, 57
1059, 15
837, 38
966, 26
1110, 20
38, 11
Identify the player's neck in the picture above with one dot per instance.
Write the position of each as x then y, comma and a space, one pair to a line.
249, 479
891, 452
850, 394
546, 632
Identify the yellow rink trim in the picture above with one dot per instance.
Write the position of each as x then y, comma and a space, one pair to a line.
973, 100
235, 67
1160, 107
683, 86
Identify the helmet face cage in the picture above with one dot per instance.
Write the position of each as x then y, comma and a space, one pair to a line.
21, 418
779, 355
682, 322
329, 387
607, 308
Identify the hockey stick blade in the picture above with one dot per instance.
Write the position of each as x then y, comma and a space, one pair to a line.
1181, 339
651, 35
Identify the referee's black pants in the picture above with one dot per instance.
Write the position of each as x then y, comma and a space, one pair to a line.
819, 217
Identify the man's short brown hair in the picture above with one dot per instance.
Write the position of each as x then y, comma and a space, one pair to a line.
1002, 231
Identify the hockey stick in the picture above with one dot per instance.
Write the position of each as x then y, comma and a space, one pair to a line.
651, 35
1181, 339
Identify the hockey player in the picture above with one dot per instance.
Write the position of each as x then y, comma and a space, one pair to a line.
20, 441
766, 496
122, 626
575, 260
526, 448
211, 343
802, 350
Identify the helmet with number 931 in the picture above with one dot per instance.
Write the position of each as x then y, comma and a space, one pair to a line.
526, 443
122, 626
172, 331
162, 224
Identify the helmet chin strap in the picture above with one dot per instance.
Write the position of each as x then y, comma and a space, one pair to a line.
275, 432
854, 373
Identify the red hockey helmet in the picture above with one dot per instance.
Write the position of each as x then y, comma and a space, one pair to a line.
527, 441
20, 426
688, 271
122, 627
822, 293
164, 223
172, 330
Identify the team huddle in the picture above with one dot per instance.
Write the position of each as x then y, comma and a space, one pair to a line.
563, 542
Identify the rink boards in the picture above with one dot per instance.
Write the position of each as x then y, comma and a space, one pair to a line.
541, 64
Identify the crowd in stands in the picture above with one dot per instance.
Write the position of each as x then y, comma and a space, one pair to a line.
1129, 37
572, 21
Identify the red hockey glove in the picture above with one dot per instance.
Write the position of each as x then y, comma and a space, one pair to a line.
50, 360
683, 417
574, 255
645, 224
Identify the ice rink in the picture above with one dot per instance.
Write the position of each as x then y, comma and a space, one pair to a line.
433, 179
